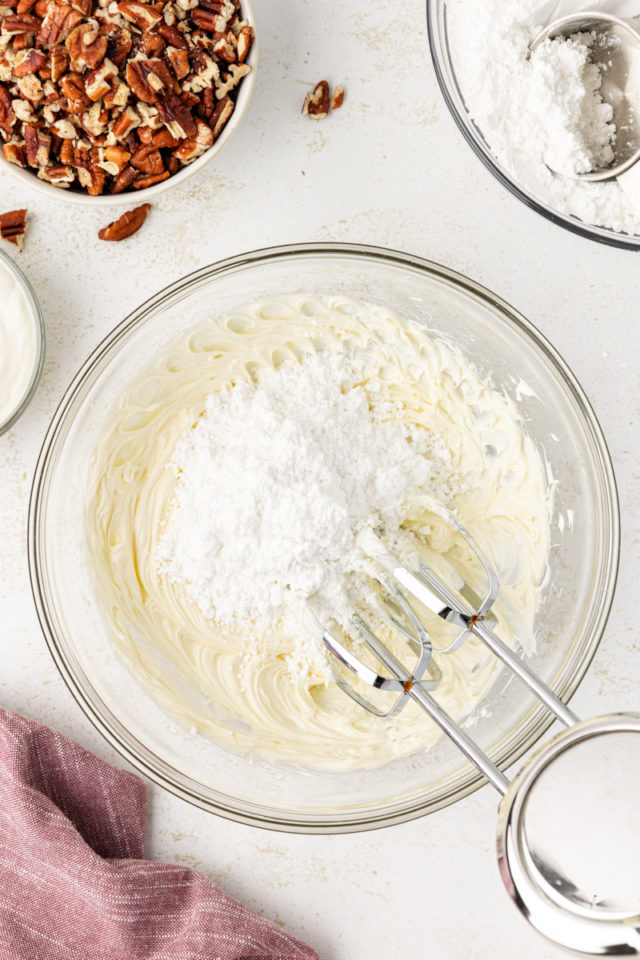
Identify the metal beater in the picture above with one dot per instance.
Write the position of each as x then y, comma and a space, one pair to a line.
568, 835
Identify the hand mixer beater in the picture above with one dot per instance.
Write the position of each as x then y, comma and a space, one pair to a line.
568, 839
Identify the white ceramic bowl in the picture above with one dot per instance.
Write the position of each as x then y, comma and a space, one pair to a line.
77, 196
6, 263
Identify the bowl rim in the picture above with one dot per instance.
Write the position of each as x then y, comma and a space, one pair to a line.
81, 198
38, 317
607, 236
466, 781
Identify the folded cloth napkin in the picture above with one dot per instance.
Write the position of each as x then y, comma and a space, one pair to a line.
73, 881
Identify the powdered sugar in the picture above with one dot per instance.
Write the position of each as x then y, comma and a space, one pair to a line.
275, 481
542, 116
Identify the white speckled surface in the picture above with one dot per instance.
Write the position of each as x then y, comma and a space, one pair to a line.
390, 168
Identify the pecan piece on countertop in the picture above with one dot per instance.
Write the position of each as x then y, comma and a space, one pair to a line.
13, 225
317, 102
126, 225
337, 98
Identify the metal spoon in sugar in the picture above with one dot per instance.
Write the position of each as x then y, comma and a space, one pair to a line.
616, 51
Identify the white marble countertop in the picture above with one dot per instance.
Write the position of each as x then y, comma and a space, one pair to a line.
390, 168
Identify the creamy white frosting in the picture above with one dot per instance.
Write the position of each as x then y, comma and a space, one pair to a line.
18, 344
248, 688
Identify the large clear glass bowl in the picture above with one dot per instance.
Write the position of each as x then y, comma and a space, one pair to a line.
504, 346
441, 44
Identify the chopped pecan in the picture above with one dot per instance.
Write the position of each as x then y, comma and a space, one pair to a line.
337, 98
148, 79
58, 63
163, 138
126, 225
221, 116
97, 82
58, 174
87, 48
172, 164
37, 146
72, 87
92, 179
7, 113
128, 120
178, 61
28, 61
124, 180
14, 152
153, 44
244, 43
30, 88
148, 181
13, 226
118, 43
147, 159
177, 118
67, 153
231, 79
20, 23
317, 102
59, 21
207, 104
84, 6
190, 150
141, 14
24, 6
226, 48
116, 96
118, 155
173, 36
94, 120
65, 130
208, 15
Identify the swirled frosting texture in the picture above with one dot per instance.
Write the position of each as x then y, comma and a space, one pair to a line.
249, 688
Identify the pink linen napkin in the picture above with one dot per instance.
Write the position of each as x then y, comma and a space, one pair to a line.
73, 881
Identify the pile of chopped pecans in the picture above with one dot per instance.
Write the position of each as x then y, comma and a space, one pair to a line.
114, 95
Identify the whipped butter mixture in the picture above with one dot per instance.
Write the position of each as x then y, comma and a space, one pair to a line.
228, 494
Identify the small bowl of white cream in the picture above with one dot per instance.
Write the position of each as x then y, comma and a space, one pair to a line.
22, 342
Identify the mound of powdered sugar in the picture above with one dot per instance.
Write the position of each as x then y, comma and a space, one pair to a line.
541, 115
275, 482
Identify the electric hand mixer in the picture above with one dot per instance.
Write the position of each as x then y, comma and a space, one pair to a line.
567, 839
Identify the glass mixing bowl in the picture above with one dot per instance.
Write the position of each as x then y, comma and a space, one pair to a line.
504, 346
444, 66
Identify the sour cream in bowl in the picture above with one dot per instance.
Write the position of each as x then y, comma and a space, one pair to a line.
22, 342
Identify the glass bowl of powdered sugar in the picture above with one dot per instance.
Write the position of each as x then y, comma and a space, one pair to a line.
536, 121
223, 403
